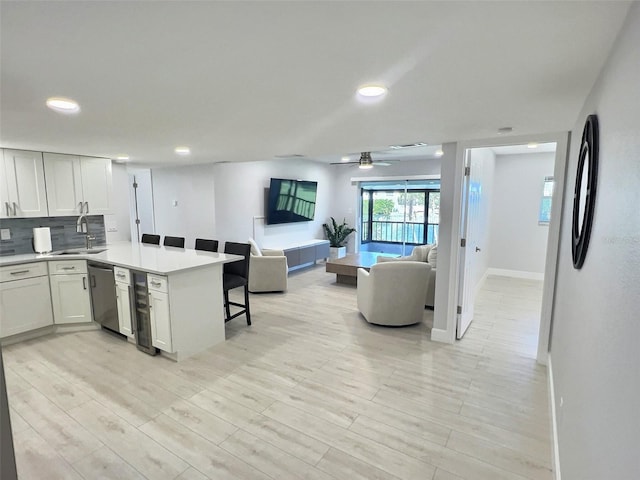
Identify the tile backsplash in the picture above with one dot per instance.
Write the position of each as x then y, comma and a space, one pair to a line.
63, 233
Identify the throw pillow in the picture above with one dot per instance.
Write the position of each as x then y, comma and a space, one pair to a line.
420, 252
433, 256
255, 249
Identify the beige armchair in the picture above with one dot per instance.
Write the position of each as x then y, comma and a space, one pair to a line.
421, 253
393, 293
268, 270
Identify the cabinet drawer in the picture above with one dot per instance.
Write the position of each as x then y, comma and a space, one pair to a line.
23, 270
122, 275
67, 267
158, 283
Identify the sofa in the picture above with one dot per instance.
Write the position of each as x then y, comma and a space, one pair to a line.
393, 293
268, 270
421, 253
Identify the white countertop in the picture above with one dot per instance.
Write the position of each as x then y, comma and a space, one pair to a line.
137, 256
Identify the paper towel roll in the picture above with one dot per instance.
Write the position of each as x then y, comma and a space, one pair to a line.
42, 239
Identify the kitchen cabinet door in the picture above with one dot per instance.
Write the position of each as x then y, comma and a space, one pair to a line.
97, 185
25, 194
71, 299
5, 202
24, 305
160, 320
64, 184
124, 309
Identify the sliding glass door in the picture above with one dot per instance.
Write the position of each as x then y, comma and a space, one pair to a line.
395, 217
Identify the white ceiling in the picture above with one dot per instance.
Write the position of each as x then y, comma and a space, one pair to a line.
253, 80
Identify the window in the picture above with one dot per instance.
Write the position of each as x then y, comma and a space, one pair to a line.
401, 214
544, 217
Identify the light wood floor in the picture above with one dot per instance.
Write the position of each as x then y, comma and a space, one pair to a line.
310, 391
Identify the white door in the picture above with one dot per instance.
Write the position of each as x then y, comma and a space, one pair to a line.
124, 309
25, 183
97, 188
24, 305
64, 184
141, 204
160, 320
70, 298
471, 204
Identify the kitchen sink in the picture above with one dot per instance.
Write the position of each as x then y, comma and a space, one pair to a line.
80, 251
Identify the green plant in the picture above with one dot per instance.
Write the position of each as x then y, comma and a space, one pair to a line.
337, 234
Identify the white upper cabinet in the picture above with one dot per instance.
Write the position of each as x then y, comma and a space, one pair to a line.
78, 185
96, 185
22, 186
64, 184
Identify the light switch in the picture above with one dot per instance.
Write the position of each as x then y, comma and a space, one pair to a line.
5, 234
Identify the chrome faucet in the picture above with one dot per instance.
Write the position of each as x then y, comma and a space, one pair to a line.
82, 226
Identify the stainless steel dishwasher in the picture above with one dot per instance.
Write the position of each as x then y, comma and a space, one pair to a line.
103, 296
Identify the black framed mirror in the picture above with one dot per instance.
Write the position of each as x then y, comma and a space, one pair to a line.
584, 196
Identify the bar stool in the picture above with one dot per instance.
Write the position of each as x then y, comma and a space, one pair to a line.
206, 245
150, 239
173, 241
235, 275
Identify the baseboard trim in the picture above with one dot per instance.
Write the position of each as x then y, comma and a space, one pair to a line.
515, 274
439, 335
555, 451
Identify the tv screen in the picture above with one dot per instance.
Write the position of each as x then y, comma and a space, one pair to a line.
291, 201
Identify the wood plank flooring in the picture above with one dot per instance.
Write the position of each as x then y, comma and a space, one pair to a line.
310, 391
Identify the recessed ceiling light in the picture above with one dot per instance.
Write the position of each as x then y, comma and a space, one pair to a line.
439, 152
122, 158
532, 145
372, 90
183, 150
63, 105
505, 130
345, 159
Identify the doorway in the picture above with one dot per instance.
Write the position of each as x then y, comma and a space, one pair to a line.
505, 218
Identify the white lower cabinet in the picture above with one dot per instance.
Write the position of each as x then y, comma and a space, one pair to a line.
70, 292
25, 299
123, 299
159, 313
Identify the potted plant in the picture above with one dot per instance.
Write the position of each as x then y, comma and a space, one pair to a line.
337, 235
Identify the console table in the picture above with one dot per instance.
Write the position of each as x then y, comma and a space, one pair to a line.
300, 254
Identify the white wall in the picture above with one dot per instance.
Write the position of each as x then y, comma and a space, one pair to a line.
226, 200
517, 242
595, 353
346, 195
193, 188
240, 196
452, 172
118, 222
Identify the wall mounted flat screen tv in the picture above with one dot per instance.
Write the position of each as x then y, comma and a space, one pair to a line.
291, 201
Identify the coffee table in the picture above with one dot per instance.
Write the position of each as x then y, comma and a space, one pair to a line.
346, 268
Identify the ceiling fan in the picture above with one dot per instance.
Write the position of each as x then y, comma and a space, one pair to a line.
365, 162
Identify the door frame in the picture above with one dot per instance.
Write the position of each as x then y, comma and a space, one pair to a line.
562, 140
